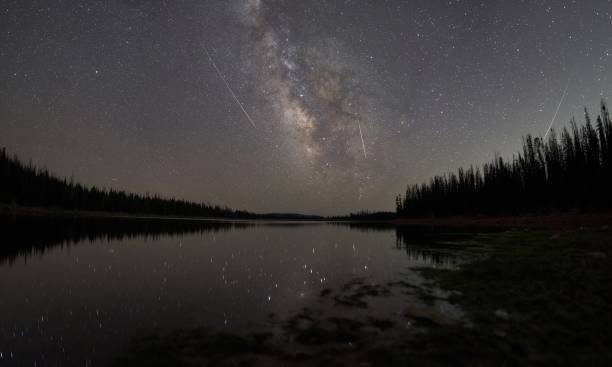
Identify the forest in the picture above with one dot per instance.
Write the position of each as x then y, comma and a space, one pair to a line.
570, 172
25, 185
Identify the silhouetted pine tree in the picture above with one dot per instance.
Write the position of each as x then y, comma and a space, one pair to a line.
25, 185
573, 172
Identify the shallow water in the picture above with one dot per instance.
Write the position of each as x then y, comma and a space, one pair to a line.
76, 292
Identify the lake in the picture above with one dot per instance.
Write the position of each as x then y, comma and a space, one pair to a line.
77, 292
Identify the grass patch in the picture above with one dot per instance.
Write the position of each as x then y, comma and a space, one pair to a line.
537, 297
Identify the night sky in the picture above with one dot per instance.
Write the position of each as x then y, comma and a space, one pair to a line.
300, 106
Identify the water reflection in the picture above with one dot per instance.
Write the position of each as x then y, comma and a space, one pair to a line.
432, 249
28, 236
85, 287
24, 237
430, 258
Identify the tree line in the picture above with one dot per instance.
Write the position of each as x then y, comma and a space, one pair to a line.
570, 172
25, 185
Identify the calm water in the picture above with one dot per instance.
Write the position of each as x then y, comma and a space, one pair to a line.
75, 293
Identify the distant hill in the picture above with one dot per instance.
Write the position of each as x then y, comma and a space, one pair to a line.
290, 216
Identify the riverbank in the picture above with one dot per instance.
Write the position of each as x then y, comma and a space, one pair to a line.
556, 221
35, 211
539, 297
31, 211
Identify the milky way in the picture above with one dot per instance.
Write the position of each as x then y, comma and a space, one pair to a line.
351, 100
317, 101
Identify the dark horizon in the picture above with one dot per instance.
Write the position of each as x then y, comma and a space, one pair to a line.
569, 171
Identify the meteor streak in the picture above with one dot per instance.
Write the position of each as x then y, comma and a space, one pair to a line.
362, 143
228, 87
557, 111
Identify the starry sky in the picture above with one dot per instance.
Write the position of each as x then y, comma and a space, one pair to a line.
290, 106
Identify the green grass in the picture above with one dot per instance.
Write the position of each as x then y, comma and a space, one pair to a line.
537, 297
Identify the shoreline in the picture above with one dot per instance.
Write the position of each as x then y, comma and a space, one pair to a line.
525, 314
37, 211
554, 221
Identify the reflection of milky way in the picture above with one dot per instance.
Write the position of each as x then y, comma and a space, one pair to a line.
318, 102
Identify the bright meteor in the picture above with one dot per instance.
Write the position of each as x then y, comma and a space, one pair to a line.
362, 142
228, 87
557, 111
